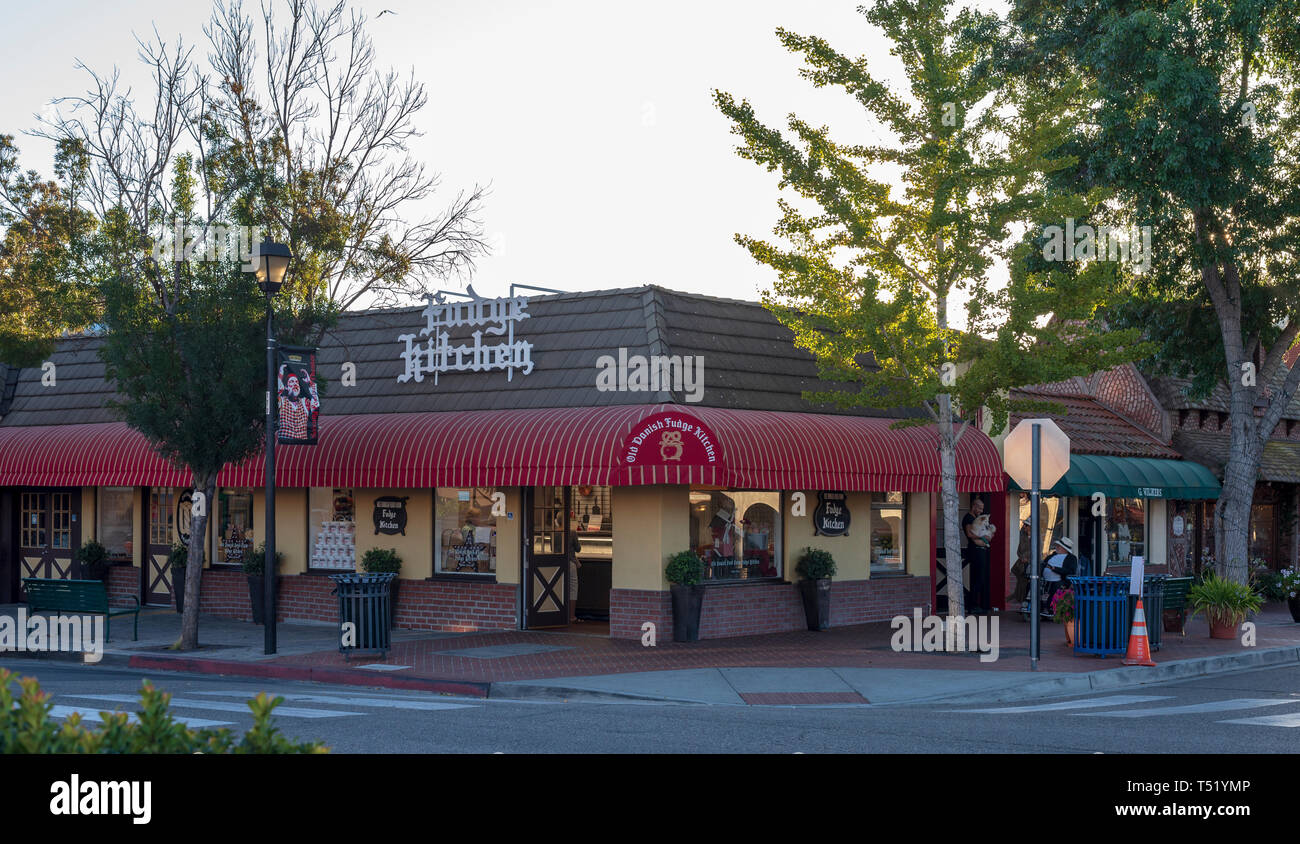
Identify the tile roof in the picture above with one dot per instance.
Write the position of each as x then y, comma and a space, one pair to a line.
750, 361
1092, 427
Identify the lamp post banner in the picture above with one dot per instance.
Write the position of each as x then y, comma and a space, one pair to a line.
299, 401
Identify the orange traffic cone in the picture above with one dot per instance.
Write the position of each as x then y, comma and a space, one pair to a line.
1139, 647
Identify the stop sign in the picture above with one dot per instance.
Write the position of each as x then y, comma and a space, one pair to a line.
1054, 458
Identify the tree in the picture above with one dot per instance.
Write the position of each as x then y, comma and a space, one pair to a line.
866, 275
1192, 125
44, 286
312, 153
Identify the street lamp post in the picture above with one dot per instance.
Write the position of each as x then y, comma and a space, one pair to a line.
273, 263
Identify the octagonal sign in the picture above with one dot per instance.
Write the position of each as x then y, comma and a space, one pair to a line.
1017, 453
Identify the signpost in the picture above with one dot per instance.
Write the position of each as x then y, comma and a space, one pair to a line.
1036, 454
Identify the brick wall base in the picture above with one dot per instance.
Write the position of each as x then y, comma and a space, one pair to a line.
123, 584
421, 604
769, 608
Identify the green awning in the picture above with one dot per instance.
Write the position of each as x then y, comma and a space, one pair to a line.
1134, 477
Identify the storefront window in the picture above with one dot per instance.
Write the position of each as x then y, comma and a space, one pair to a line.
332, 529
116, 515
887, 531
235, 537
1125, 530
466, 531
737, 533
1261, 534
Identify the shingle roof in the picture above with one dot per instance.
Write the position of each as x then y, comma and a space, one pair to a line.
1172, 393
1092, 427
750, 361
1280, 461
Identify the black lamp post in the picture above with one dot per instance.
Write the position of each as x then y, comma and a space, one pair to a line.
273, 263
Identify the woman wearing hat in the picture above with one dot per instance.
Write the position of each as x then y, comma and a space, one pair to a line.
1059, 566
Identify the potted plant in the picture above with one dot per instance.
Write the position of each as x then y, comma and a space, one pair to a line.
176, 558
1288, 584
816, 567
684, 572
1062, 607
1225, 604
383, 561
254, 566
94, 560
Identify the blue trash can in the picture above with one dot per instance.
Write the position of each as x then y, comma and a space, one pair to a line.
363, 604
1101, 610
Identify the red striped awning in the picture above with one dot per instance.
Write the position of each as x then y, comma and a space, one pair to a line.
616, 445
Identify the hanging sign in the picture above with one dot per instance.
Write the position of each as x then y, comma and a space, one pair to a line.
390, 515
831, 518
437, 355
298, 407
184, 513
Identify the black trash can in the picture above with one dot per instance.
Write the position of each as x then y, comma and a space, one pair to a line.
1153, 608
363, 612
1100, 612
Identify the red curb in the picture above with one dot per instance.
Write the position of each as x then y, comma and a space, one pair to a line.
337, 676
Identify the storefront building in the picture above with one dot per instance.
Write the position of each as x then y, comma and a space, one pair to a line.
480, 439
1128, 489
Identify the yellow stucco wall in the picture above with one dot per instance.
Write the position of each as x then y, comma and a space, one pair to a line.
416, 547
852, 553
919, 507
508, 537
650, 523
290, 526
1157, 528
89, 514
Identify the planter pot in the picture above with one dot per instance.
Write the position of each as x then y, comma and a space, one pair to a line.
1293, 604
257, 598
1071, 630
817, 603
1221, 628
687, 602
178, 588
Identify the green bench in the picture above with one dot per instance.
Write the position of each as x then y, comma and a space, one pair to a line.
78, 596
1175, 606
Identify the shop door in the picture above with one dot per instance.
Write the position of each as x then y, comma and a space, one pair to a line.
160, 535
49, 531
546, 590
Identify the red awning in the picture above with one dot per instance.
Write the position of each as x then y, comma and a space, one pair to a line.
674, 444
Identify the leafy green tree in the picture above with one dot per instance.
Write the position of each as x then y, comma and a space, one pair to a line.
867, 270
1192, 126
45, 288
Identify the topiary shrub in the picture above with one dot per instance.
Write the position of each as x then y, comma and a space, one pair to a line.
254, 562
685, 568
380, 561
93, 557
816, 564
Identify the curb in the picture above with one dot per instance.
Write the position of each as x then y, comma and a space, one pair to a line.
1119, 678
336, 676
516, 690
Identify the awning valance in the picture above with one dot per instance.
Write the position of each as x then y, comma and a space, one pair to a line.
615, 445
1134, 477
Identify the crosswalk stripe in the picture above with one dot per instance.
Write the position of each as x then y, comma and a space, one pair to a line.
1189, 709
222, 706
58, 711
1291, 720
1071, 704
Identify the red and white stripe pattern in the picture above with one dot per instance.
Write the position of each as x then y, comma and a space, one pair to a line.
573, 445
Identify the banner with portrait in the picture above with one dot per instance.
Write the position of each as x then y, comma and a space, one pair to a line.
298, 403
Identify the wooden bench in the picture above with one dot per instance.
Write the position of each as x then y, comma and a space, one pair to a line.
1175, 606
78, 596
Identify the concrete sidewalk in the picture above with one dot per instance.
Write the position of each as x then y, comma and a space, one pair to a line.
842, 666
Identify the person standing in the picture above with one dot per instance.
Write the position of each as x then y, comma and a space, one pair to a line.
1021, 567
575, 547
977, 555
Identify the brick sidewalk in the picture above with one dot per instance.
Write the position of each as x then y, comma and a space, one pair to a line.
863, 646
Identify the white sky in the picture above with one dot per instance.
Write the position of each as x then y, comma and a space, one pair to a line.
593, 121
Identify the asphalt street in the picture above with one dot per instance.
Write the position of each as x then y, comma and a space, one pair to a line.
1255, 711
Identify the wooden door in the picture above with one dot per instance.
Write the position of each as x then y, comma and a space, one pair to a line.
546, 593
160, 536
49, 531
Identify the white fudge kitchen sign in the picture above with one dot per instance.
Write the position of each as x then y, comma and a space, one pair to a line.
436, 354
667, 446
